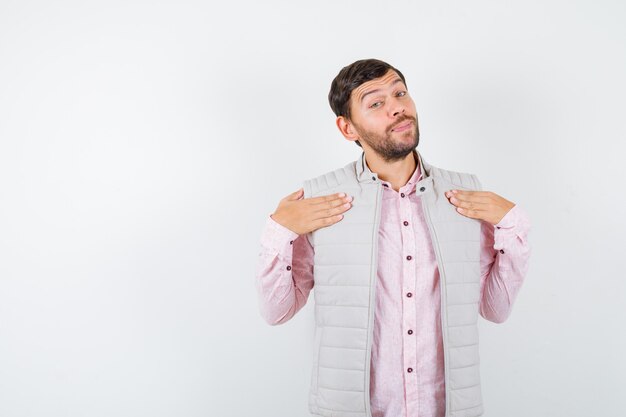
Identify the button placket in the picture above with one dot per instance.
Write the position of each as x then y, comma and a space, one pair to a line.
409, 310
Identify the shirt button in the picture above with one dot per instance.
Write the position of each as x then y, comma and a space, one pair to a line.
288, 268
405, 223
410, 331
501, 250
409, 257
408, 294
374, 178
291, 242
497, 227
422, 189
402, 195
410, 370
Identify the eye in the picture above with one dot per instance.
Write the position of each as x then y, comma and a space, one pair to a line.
401, 93
375, 105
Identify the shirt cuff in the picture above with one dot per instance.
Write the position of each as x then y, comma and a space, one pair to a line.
514, 224
277, 237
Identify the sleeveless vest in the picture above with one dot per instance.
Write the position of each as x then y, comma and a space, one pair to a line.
345, 270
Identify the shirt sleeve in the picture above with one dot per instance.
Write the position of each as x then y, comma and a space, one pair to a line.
284, 275
504, 260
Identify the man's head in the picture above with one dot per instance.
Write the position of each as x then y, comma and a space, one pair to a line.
373, 106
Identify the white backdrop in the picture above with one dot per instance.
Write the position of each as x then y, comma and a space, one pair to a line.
143, 144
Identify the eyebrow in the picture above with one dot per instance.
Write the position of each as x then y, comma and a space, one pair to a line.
397, 80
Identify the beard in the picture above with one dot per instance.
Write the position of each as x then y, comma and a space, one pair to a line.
387, 148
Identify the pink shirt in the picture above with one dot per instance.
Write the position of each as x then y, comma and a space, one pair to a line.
407, 330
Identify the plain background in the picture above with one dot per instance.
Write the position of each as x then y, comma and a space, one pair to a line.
144, 144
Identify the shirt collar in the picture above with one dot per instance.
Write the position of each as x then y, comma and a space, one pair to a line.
364, 174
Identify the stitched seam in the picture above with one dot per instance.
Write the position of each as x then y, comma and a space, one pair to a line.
339, 411
467, 408
348, 390
461, 325
469, 386
341, 347
467, 366
342, 369
462, 346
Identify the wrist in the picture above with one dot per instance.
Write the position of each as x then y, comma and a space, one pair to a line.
279, 226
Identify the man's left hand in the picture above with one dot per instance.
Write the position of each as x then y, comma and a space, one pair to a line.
481, 205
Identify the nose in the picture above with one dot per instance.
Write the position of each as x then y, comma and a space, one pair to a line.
397, 108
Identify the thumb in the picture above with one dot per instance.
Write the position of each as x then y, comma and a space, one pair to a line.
295, 195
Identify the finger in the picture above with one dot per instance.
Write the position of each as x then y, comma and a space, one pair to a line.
472, 214
326, 198
470, 204
299, 194
327, 221
295, 195
470, 193
468, 197
331, 208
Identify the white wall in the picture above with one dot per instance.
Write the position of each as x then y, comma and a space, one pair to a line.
143, 144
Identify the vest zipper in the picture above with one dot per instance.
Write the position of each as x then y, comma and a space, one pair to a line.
442, 287
372, 301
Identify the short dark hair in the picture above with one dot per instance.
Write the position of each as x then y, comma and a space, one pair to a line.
352, 76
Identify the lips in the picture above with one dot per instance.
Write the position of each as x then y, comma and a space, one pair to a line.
402, 126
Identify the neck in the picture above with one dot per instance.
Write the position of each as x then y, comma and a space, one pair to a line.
396, 172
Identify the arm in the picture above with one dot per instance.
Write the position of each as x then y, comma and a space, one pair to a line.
504, 260
284, 275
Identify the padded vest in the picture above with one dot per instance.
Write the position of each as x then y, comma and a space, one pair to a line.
345, 270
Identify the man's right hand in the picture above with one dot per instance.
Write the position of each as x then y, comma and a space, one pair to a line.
304, 215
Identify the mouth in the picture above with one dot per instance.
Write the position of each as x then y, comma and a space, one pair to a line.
402, 127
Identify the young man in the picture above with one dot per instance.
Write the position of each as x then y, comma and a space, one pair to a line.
404, 256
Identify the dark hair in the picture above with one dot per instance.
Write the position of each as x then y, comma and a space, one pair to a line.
352, 76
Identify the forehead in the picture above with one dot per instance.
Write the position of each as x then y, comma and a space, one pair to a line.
390, 78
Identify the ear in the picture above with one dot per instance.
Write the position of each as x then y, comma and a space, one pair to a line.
346, 128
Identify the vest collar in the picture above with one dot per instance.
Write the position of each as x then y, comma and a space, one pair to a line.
364, 174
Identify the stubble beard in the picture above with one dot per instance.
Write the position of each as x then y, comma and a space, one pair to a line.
388, 149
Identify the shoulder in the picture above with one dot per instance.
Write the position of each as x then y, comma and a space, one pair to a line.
329, 181
455, 178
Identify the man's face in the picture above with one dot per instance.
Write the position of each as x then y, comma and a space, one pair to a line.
384, 117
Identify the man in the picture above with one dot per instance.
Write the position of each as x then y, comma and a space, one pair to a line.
403, 255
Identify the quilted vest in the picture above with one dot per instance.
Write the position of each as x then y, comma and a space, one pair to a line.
345, 270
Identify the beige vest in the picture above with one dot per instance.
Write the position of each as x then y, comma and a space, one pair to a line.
345, 270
